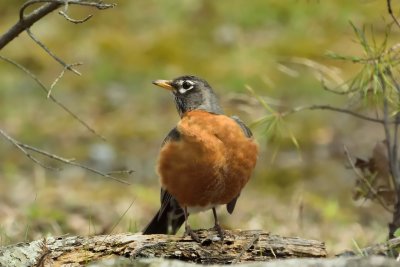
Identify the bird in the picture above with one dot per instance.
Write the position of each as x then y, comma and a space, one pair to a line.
205, 160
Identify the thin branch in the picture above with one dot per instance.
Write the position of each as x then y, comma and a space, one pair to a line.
247, 247
395, 148
118, 222
99, 5
322, 70
365, 181
27, 22
21, 148
389, 7
341, 110
48, 51
392, 160
44, 88
343, 92
395, 83
128, 172
70, 162
60, 76
76, 21
272, 252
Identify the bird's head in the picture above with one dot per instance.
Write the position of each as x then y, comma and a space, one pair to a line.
191, 93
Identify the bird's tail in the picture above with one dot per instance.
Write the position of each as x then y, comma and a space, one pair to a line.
167, 221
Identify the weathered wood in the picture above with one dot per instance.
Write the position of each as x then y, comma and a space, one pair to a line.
359, 261
238, 246
384, 248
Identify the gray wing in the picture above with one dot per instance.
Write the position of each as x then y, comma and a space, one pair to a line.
165, 197
170, 214
231, 205
173, 135
245, 129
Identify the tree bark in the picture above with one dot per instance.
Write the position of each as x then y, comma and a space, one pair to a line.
238, 246
359, 261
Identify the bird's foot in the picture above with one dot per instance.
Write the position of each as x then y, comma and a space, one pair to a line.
193, 235
219, 230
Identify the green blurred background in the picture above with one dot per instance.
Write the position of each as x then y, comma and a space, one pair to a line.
230, 43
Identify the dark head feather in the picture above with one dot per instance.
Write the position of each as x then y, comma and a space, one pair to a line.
193, 93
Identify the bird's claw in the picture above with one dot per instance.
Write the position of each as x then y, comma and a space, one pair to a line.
219, 230
192, 234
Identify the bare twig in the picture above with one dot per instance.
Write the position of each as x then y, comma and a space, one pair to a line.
324, 74
99, 5
396, 132
395, 148
320, 69
395, 83
119, 220
60, 76
365, 181
247, 247
18, 145
341, 110
128, 172
24, 147
44, 88
273, 252
76, 21
334, 91
26, 21
48, 51
389, 7
386, 128
70, 162
392, 156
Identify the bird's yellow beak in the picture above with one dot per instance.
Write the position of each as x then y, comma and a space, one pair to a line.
166, 84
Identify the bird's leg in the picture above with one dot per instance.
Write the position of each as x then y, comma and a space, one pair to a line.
188, 230
217, 227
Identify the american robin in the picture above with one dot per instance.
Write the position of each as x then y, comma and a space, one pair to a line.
204, 162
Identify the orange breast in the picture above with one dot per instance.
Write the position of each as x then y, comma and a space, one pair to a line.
210, 164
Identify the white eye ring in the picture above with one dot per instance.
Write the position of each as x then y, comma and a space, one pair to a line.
186, 85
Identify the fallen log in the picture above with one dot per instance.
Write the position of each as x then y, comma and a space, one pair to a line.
238, 246
355, 261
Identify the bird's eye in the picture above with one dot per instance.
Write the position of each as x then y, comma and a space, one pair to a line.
187, 85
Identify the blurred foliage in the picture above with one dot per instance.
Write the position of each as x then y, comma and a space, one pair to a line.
377, 84
231, 44
379, 62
